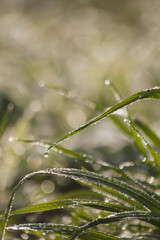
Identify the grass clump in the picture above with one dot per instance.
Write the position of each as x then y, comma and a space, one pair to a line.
110, 201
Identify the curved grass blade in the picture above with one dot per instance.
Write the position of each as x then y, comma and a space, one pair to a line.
148, 188
61, 229
90, 178
149, 133
100, 205
91, 160
144, 216
153, 93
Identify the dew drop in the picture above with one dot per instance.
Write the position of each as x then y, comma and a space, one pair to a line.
10, 106
11, 139
46, 155
144, 159
24, 236
126, 120
107, 82
151, 180
124, 227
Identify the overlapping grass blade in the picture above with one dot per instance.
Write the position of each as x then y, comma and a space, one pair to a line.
93, 179
153, 93
62, 230
78, 156
148, 188
120, 124
149, 133
100, 205
144, 216
90, 104
128, 117
137, 135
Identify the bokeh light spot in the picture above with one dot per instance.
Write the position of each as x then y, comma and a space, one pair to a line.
19, 149
47, 186
35, 106
76, 117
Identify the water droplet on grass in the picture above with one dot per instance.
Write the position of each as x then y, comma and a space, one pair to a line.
46, 155
11, 139
107, 82
24, 236
10, 106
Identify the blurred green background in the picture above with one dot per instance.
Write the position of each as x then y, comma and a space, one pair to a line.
76, 46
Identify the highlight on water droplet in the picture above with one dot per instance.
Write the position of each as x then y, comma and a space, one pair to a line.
107, 82
46, 155
10, 106
24, 236
11, 139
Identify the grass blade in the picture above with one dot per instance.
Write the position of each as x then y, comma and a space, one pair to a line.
153, 93
72, 202
60, 229
116, 218
149, 133
137, 135
78, 156
90, 178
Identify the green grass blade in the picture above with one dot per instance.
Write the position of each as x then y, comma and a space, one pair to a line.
5, 121
89, 178
110, 182
61, 229
127, 116
63, 92
76, 155
148, 188
144, 216
147, 146
149, 133
72, 202
153, 93
120, 124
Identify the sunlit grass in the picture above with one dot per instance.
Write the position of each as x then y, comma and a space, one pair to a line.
119, 192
